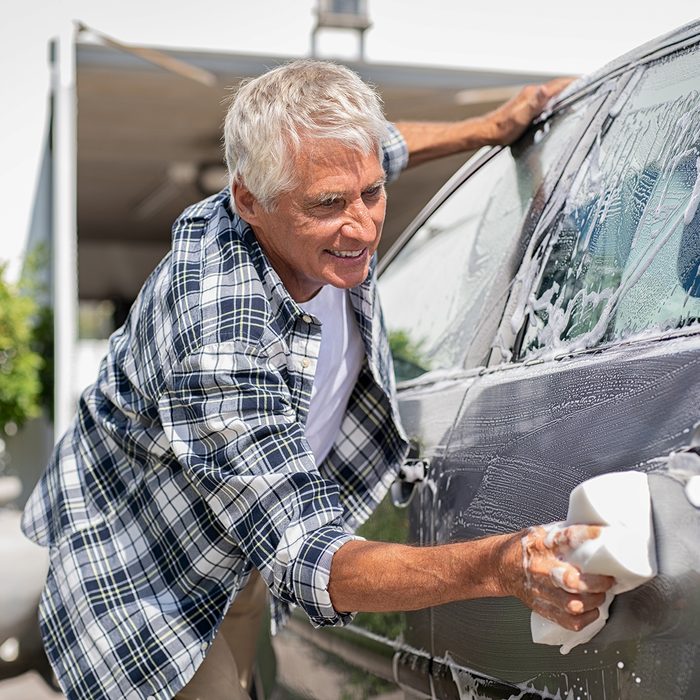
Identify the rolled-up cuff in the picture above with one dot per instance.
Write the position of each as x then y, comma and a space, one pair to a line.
311, 574
395, 153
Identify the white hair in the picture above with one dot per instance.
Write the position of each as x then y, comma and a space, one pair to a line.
272, 114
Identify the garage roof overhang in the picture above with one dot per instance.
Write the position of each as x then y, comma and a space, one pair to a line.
146, 136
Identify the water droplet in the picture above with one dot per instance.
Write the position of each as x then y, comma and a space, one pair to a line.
620, 664
637, 680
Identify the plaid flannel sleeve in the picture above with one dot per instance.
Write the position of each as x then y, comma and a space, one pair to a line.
229, 418
395, 153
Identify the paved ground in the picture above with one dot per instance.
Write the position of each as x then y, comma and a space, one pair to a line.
304, 672
307, 672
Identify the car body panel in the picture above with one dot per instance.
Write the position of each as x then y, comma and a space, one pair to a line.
530, 432
523, 441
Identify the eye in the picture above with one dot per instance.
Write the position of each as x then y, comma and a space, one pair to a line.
373, 192
329, 203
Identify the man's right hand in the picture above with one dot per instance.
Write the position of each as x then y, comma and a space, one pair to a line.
536, 572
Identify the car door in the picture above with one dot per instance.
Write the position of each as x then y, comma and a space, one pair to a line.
595, 368
443, 297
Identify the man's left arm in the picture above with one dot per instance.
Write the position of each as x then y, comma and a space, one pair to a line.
429, 140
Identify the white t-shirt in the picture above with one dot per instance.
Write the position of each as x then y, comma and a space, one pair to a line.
339, 361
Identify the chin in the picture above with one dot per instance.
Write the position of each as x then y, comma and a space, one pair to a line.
349, 282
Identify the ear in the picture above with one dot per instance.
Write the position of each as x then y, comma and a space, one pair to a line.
247, 205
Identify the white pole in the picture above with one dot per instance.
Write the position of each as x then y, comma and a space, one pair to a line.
65, 272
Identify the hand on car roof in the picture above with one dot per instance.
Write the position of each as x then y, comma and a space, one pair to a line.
506, 124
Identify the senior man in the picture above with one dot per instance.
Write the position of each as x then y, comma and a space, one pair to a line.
244, 423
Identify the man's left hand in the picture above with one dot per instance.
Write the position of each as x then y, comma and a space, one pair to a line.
505, 124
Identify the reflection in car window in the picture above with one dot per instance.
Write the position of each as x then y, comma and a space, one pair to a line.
451, 279
625, 251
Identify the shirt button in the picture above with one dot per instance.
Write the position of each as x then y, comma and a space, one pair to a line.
306, 318
305, 362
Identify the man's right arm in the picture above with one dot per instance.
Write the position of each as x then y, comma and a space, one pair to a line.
376, 577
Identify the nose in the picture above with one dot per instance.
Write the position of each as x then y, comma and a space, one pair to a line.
358, 222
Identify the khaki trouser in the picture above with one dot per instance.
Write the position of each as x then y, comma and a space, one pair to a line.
227, 670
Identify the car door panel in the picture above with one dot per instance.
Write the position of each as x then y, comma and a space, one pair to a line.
428, 353
524, 439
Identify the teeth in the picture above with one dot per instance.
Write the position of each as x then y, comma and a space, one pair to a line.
346, 253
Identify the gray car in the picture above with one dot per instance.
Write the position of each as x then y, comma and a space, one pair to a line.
544, 313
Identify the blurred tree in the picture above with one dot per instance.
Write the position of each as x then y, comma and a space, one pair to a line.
20, 364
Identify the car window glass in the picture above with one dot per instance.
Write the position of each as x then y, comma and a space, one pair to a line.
454, 273
625, 250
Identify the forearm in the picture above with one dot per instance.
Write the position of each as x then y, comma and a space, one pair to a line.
530, 565
379, 577
429, 140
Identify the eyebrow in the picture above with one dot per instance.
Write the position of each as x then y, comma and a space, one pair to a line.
333, 196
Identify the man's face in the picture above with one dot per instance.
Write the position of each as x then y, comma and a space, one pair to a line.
327, 228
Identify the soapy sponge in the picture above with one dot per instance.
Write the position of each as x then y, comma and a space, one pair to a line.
625, 549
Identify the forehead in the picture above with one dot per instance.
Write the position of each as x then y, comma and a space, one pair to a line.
324, 165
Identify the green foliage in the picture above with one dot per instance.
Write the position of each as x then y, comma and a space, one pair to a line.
363, 686
387, 524
20, 364
35, 284
409, 362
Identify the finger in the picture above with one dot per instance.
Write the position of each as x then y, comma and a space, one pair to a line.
595, 583
537, 98
571, 580
580, 604
574, 622
573, 601
554, 87
574, 536
566, 577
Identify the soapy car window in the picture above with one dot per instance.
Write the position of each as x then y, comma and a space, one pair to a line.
624, 253
451, 279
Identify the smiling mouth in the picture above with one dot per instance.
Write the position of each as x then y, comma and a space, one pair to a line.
346, 253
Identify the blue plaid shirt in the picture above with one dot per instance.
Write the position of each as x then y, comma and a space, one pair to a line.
187, 465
